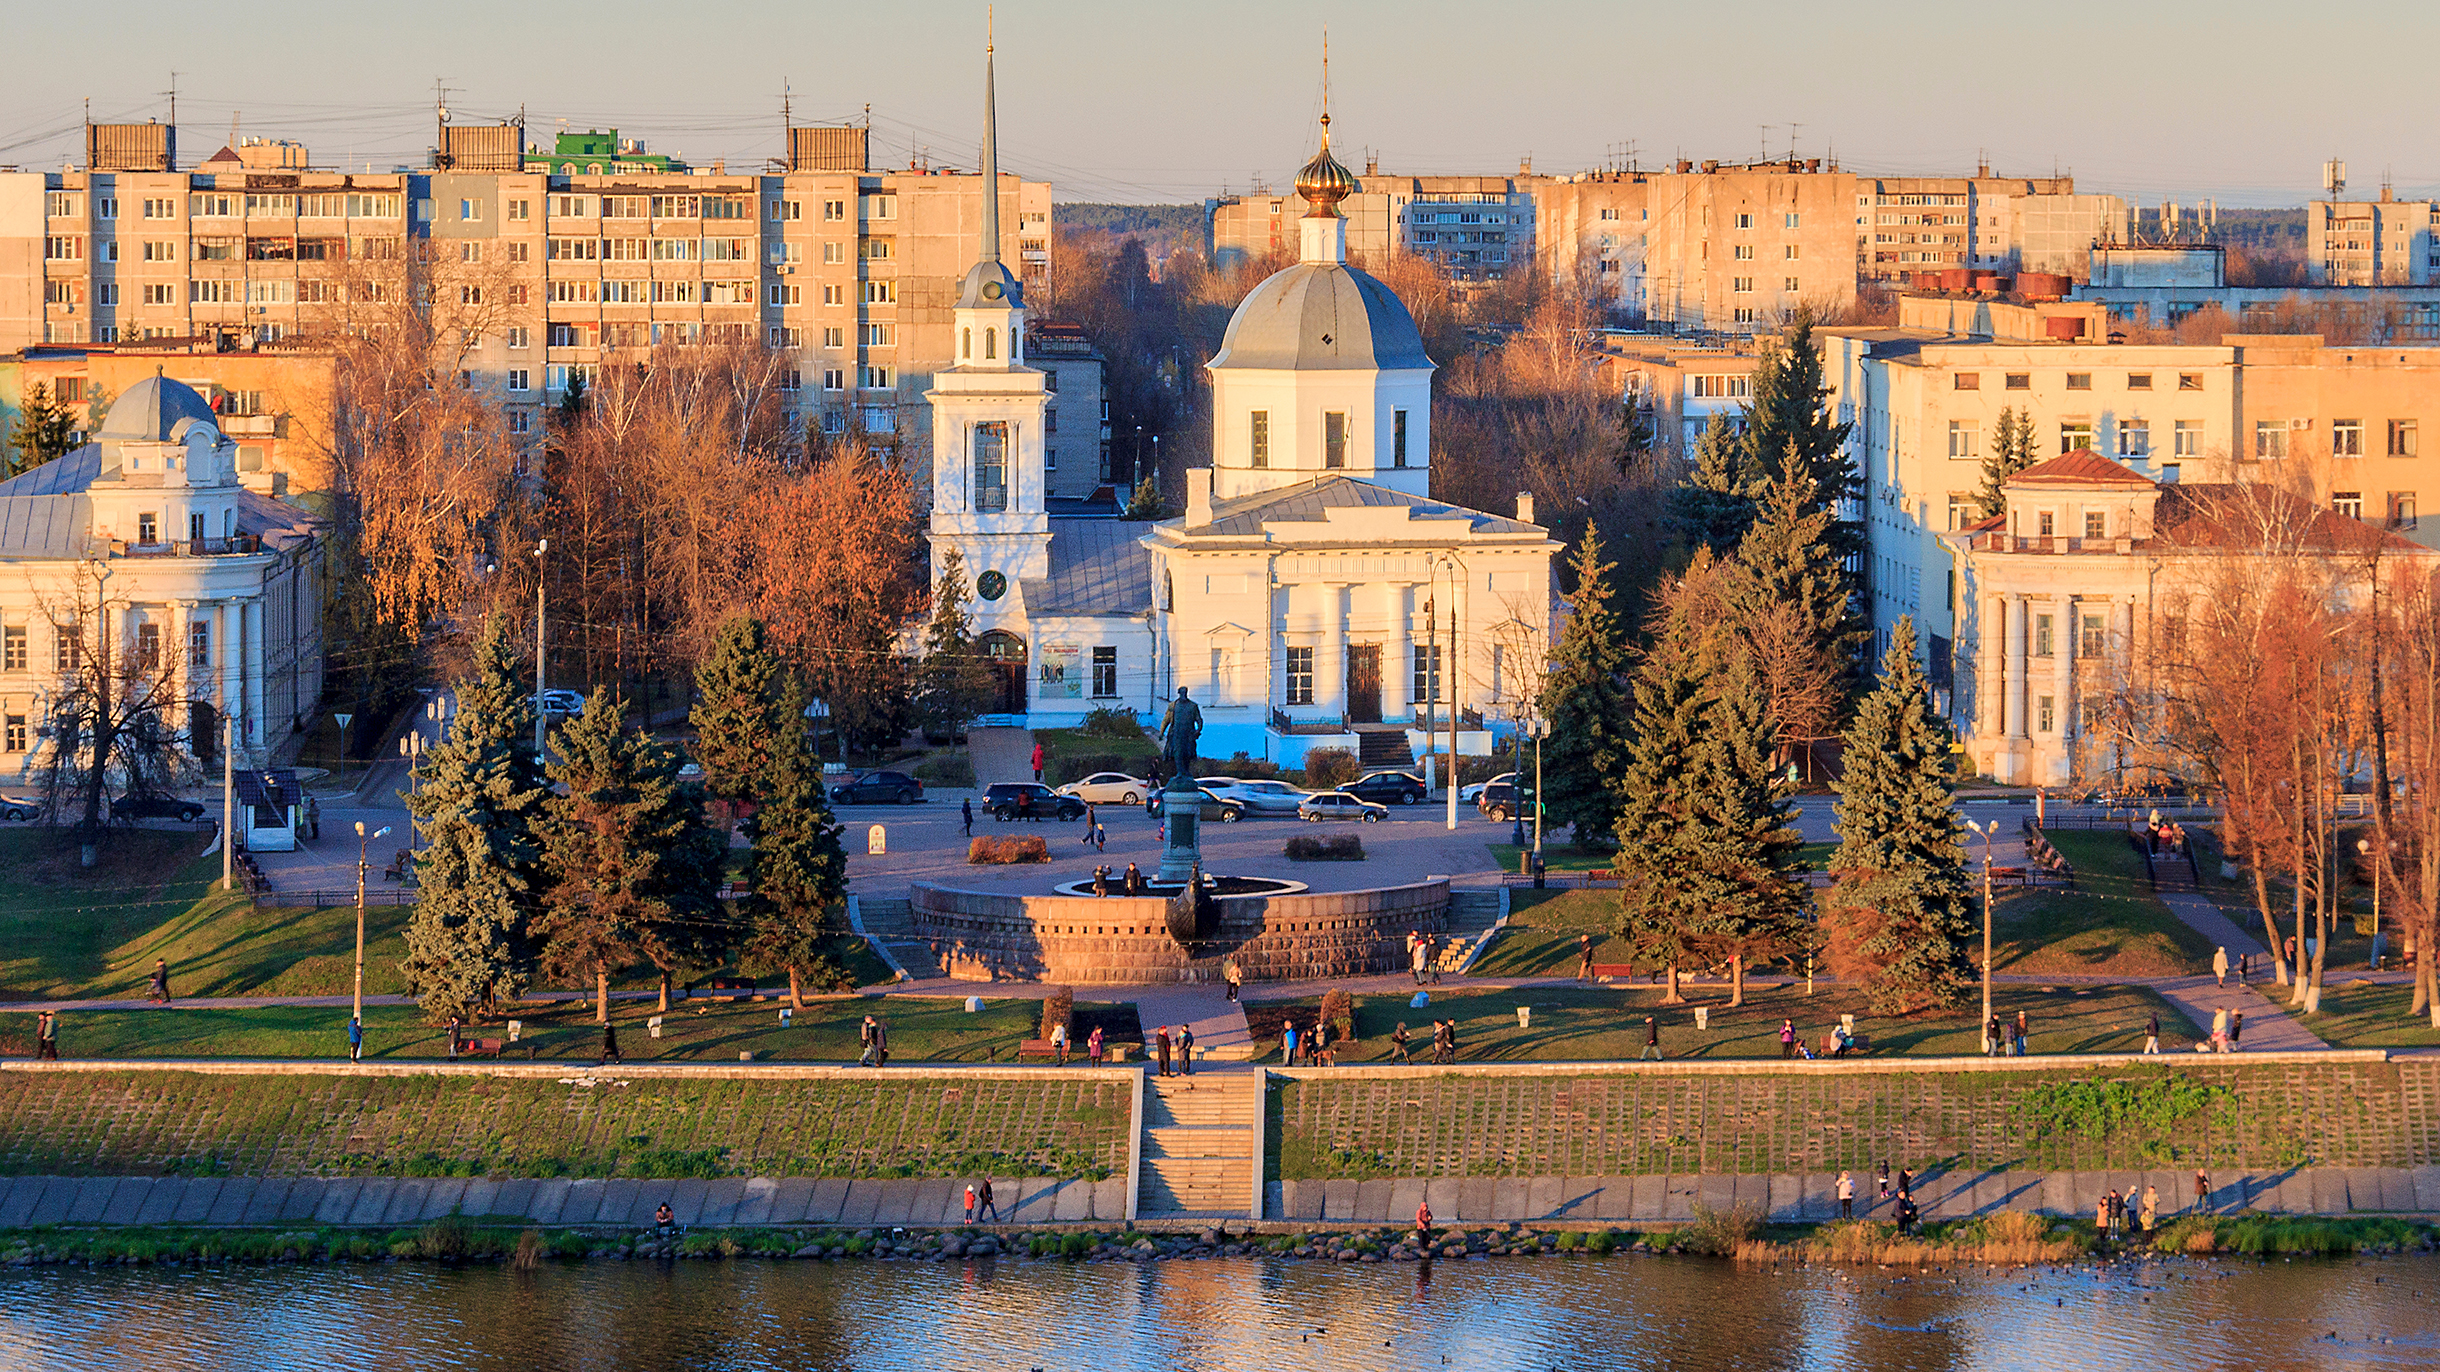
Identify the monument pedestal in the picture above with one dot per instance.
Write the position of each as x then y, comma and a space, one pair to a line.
1181, 821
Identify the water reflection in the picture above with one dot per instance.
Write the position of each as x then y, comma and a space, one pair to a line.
1249, 1315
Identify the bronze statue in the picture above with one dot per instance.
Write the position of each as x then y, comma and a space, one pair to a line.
1181, 730
1192, 915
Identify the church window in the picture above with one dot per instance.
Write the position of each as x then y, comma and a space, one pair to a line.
1398, 438
1427, 672
1105, 673
965, 343
991, 467
991, 344
1334, 438
1300, 676
1262, 439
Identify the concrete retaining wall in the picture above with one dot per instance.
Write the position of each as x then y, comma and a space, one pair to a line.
1124, 941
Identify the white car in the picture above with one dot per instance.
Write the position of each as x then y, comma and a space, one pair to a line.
1109, 788
1467, 795
569, 703
1258, 797
1340, 805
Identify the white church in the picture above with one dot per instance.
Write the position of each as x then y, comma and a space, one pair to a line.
1312, 594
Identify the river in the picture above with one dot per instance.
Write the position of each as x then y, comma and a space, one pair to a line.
1248, 1315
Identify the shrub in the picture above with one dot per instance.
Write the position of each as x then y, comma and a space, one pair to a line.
1601, 1245
1242, 765
947, 769
1325, 848
1326, 768
1339, 1011
1718, 1233
1109, 721
1058, 1010
446, 1237
993, 849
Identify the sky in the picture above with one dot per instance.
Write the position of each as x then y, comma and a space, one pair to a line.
2241, 100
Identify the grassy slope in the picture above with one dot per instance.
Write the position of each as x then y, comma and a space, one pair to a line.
2110, 925
2366, 1015
1603, 1023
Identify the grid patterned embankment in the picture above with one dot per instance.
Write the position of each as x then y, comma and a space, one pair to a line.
1490, 1123
147, 1123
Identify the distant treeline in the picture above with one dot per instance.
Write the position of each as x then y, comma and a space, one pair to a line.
1152, 221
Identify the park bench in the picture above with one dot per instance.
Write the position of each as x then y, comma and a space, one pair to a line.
1037, 1048
471, 1048
401, 863
1613, 971
738, 987
1856, 1044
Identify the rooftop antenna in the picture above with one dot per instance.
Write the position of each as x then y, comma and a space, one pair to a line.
1766, 140
1792, 128
2334, 177
233, 128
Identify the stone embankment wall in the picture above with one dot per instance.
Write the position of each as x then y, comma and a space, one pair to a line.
1124, 941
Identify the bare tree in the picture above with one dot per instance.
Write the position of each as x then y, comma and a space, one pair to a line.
114, 710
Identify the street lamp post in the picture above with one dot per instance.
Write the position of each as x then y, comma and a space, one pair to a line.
1988, 832
364, 843
540, 658
2364, 846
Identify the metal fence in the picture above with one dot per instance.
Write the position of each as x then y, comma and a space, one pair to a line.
269, 899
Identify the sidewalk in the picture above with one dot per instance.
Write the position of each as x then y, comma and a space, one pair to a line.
2268, 1027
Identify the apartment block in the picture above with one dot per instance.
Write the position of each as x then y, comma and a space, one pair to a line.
2161, 285
1473, 227
1076, 423
2382, 242
553, 273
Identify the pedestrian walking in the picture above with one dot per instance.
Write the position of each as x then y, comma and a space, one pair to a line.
453, 1037
1431, 957
2236, 1029
355, 1039
2151, 1033
1991, 1038
1451, 1034
1092, 1046
1787, 1039
970, 1199
1908, 1213
1884, 1177
1091, 821
1101, 837
1186, 1050
1652, 1040
160, 981
2024, 1031
1059, 1042
1287, 1044
46, 1036
966, 808
1584, 959
1234, 975
1846, 1196
868, 1036
1423, 1224
2202, 1190
1416, 955
1398, 1039
881, 1043
1906, 1182
2151, 1207
2219, 965
985, 1202
2245, 968
1160, 1038
1037, 762
610, 1052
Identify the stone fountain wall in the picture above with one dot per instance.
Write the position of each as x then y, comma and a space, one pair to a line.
1124, 940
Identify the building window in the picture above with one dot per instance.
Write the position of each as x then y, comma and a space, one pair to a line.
1397, 438
2346, 438
2401, 509
13, 736
2042, 635
12, 649
1963, 510
148, 647
1745, 252
2270, 439
2096, 524
2045, 524
2401, 438
1105, 673
1741, 285
2046, 715
2079, 381
1334, 438
1791, 255
1792, 220
1793, 285
991, 467
2134, 437
1734, 387
199, 643
2020, 381
1742, 314
1300, 676
2139, 381
1965, 438
2074, 436
67, 647
1745, 221
2190, 381
1261, 438
2187, 438
1426, 684
2092, 637
148, 528
2347, 503
1966, 381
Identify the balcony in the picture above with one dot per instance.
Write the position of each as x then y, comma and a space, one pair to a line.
243, 545
250, 425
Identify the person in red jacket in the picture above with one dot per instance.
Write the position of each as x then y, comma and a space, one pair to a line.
1037, 762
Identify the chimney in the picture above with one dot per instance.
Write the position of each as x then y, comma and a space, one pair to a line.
1198, 497
1524, 507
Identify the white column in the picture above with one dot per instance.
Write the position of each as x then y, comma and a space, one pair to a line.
1990, 691
224, 659
2016, 667
1400, 649
1330, 659
256, 663
2065, 661
181, 676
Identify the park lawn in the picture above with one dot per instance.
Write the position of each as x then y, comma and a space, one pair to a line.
2360, 1014
922, 1029
1540, 940
2109, 925
1605, 1023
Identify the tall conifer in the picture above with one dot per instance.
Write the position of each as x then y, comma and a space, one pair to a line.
1714, 506
2011, 452
798, 876
480, 875
1902, 911
953, 685
1588, 703
745, 719
1661, 801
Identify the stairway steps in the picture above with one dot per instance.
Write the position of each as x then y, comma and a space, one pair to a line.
1198, 1147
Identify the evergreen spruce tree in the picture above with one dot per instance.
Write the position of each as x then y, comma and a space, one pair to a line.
1714, 506
1790, 558
2011, 452
745, 716
1660, 800
43, 432
953, 684
634, 864
480, 874
1902, 912
1587, 701
1788, 420
1744, 899
798, 876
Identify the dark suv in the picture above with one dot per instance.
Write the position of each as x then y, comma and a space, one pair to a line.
129, 809
1501, 800
878, 788
1029, 800
1389, 788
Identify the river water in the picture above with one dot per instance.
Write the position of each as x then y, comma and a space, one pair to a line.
1247, 1315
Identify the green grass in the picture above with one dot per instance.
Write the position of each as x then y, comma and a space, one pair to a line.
2366, 1015
922, 1029
1540, 940
1603, 1023
2109, 925
1556, 857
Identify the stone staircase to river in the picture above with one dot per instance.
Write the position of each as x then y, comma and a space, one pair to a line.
890, 923
1198, 1147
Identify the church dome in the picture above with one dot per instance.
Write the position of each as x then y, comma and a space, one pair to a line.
1323, 182
151, 409
1322, 316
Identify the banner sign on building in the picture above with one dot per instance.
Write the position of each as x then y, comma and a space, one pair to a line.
1062, 673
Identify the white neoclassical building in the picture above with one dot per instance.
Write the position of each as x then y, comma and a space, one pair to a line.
145, 540
1312, 592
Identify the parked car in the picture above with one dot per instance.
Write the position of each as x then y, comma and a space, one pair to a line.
556, 702
878, 788
1390, 788
1109, 788
129, 809
1008, 800
1322, 805
19, 807
1212, 806
1257, 796
1502, 799
1468, 795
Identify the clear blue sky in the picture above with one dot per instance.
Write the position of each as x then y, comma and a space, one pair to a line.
1148, 101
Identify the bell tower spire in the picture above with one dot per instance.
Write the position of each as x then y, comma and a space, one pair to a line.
991, 304
991, 142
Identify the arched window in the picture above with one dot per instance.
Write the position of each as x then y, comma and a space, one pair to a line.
990, 464
965, 343
990, 344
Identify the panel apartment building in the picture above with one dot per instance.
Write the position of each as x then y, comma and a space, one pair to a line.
1739, 247
567, 261
1473, 227
2382, 242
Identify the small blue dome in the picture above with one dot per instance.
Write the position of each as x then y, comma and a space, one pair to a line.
150, 410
